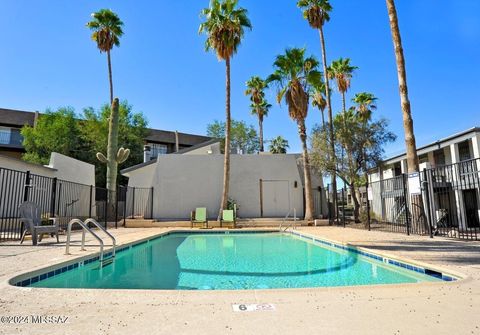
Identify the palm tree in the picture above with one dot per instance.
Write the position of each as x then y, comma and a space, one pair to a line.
341, 71
293, 76
317, 13
278, 145
224, 26
319, 100
412, 157
365, 105
260, 110
107, 30
259, 106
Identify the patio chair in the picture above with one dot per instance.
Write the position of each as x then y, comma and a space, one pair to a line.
30, 217
229, 217
199, 216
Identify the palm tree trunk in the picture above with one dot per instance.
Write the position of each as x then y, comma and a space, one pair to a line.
323, 119
306, 171
260, 131
356, 203
226, 163
344, 102
330, 117
110, 76
412, 157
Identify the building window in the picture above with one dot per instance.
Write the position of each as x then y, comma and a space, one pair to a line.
464, 151
157, 149
423, 158
439, 157
10, 136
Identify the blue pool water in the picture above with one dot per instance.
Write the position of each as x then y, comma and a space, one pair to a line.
234, 261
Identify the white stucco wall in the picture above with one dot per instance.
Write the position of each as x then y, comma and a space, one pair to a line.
184, 182
20, 165
73, 170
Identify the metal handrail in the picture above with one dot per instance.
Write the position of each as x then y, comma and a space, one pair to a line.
114, 241
85, 228
285, 219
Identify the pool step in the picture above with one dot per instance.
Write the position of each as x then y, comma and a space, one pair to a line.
107, 261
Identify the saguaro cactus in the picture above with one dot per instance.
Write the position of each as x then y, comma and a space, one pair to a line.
114, 157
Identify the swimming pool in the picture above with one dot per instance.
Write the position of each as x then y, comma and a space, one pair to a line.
234, 261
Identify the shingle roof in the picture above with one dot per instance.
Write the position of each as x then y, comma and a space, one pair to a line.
164, 136
16, 118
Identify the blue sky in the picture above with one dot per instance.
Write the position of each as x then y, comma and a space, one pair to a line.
48, 60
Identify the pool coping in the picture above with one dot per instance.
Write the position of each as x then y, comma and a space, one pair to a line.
25, 279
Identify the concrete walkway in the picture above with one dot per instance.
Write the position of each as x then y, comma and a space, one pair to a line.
428, 308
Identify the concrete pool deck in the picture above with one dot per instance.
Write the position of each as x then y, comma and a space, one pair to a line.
426, 308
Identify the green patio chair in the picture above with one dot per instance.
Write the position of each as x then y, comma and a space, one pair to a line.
229, 217
199, 216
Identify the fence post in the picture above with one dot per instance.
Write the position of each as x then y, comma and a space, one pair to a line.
133, 203
90, 203
405, 196
116, 207
343, 206
106, 208
151, 204
125, 207
53, 197
328, 205
425, 185
368, 201
27, 186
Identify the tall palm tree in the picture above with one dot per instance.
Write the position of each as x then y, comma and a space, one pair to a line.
294, 75
224, 24
278, 145
259, 106
365, 103
317, 13
341, 71
260, 110
319, 100
107, 30
412, 157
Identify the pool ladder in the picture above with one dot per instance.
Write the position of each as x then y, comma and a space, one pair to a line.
292, 224
84, 225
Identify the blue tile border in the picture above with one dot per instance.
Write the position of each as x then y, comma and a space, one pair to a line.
406, 266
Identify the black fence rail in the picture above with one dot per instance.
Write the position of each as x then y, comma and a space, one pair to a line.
66, 200
440, 201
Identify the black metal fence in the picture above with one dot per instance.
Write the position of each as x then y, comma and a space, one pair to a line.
440, 201
66, 200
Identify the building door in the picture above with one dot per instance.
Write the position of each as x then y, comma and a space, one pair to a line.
275, 198
471, 208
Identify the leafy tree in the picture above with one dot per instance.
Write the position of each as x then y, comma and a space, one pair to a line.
363, 140
107, 30
55, 131
278, 145
259, 105
244, 138
294, 75
95, 129
317, 13
224, 26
